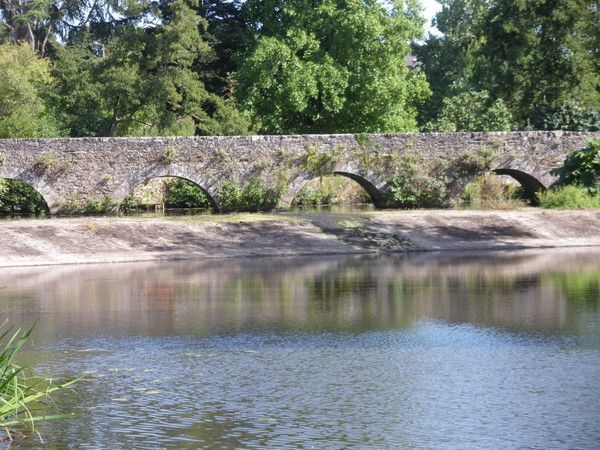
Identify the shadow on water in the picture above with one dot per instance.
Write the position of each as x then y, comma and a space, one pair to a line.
324, 351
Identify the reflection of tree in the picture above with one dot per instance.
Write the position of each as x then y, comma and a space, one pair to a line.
522, 291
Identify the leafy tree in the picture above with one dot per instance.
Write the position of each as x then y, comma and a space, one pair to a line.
24, 77
533, 55
143, 81
472, 111
582, 168
327, 67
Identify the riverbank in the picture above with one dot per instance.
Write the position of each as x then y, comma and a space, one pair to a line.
122, 239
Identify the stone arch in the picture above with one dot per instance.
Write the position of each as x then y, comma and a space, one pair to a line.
374, 193
30, 178
29, 185
530, 184
160, 171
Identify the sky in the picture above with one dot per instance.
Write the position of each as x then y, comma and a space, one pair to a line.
431, 8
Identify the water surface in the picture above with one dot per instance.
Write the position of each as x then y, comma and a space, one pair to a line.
485, 350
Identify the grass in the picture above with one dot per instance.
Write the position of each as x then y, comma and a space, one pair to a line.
569, 197
21, 397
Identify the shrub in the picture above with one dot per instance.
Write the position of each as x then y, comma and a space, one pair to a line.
180, 193
569, 197
414, 186
17, 197
251, 197
489, 192
582, 167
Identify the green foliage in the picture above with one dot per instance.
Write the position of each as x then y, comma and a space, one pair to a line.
17, 197
568, 116
582, 168
533, 54
21, 397
470, 164
23, 79
319, 163
180, 193
91, 206
472, 111
331, 190
328, 67
569, 197
169, 155
488, 192
414, 187
251, 197
143, 81
46, 161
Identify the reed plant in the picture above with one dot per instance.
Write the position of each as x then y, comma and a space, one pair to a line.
22, 397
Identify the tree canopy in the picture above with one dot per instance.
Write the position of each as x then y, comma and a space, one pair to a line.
167, 67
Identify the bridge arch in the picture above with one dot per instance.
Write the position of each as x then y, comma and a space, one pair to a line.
372, 191
160, 171
36, 201
530, 183
31, 178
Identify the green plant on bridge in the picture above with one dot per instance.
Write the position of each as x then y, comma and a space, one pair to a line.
319, 163
469, 164
169, 156
413, 186
1, 160
46, 161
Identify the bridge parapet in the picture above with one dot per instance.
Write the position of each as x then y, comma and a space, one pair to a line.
67, 171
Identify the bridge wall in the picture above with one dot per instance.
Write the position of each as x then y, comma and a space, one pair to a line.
71, 170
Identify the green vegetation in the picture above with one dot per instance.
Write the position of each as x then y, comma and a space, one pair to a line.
540, 57
472, 111
180, 193
331, 67
415, 185
224, 67
91, 206
17, 198
582, 168
21, 396
331, 190
250, 197
488, 192
25, 77
579, 182
569, 197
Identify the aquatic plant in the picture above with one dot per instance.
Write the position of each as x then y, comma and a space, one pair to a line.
21, 396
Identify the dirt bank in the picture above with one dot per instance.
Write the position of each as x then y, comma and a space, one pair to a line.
111, 239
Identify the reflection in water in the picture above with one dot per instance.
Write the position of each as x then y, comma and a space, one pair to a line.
497, 349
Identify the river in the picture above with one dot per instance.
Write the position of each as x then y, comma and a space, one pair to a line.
482, 350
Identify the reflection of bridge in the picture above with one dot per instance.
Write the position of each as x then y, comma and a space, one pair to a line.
67, 171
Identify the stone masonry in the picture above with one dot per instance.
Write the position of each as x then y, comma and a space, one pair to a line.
72, 170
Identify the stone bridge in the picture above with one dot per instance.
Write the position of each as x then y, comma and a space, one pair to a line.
70, 171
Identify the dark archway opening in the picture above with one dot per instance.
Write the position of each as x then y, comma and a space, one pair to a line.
18, 198
338, 189
501, 189
170, 194
530, 185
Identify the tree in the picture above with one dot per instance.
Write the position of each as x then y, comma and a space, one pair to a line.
535, 55
141, 80
472, 111
23, 111
318, 66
